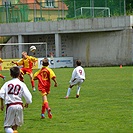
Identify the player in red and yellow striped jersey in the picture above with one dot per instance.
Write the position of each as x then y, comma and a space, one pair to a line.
27, 63
3, 77
44, 76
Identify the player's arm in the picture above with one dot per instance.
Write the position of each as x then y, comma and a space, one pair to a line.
55, 81
26, 105
2, 95
19, 63
2, 104
73, 75
35, 75
14, 63
27, 96
53, 77
34, 60
35, 63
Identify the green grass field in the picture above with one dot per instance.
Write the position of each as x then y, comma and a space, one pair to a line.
104, 105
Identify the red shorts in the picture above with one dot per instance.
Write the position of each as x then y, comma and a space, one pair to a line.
26, 70
44, 91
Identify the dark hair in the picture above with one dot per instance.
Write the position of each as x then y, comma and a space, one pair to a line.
78, 63
15, 72
45, 62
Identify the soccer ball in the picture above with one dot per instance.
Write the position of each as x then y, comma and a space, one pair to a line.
32, 48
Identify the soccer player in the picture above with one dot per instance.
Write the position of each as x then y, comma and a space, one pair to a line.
12, 93
1, 76
44, 76
78, 77
27, 63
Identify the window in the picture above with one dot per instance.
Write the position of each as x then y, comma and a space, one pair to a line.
49, 3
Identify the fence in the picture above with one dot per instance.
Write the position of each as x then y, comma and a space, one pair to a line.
11, 12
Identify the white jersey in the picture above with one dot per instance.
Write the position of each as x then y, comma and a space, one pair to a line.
78, 73
13, 91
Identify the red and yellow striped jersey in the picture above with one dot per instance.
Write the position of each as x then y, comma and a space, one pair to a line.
44, 75
28, 62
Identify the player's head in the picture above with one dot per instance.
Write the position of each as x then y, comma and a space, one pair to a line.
24, 54
78, 63
15, 72
45, 62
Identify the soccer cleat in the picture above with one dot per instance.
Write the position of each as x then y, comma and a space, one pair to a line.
77, 96
4, 78
66, 97
49, 113
34, 89
42, 116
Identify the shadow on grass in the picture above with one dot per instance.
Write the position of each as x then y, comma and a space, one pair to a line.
68, 98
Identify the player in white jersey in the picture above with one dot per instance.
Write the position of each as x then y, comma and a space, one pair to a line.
11, 93
78, 77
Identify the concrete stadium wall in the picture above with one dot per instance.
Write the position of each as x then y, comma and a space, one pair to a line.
103, 48
97, 42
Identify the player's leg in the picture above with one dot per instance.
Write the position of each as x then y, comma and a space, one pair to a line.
72, 83
44, 98
69, 91
18, 120
9, 119
21, 76
32, 81
45, 106
78, 88
15, 129
3, 77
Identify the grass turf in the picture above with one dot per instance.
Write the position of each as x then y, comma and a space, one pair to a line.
104, 105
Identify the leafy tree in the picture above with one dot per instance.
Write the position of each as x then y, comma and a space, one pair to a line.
129, 6
116, 6
75, 4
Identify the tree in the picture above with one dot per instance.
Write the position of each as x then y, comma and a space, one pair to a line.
117, 7
129, 6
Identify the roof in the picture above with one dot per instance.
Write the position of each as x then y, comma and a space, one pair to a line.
61, 5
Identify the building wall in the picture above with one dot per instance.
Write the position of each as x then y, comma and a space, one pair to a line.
47, 15
103, 48
103, 42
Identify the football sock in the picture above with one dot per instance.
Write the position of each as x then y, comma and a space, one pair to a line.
46, 105
43, 109
32, 83
21, 77
78, 90
68, 92
8, 130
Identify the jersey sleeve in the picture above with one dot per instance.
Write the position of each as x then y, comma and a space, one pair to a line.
27, 95
33, 59
36, 74
52, 74
73, 75
20, 62
2, 92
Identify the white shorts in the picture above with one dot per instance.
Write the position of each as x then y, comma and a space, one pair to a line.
77, 82
14, 116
